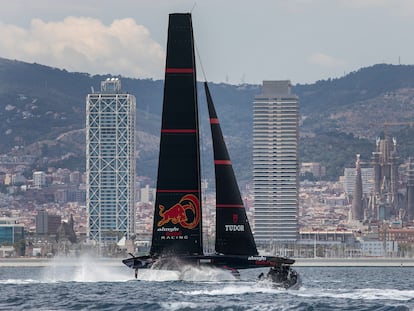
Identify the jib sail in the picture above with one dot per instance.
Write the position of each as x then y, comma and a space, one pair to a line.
233, 233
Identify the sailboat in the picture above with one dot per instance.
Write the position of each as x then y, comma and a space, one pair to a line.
177, 225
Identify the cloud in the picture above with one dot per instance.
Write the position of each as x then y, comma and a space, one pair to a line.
86, 45
325, 60
394, 7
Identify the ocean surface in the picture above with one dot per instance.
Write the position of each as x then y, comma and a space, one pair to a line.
96, 286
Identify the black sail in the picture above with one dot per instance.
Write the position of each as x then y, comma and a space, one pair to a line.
233, 232
177, 225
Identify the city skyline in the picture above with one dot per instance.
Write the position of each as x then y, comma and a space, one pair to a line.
326, 40
102, 213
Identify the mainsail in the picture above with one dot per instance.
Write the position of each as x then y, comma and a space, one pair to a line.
233, 233
177, 225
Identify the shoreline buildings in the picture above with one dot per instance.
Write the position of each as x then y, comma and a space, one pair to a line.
110, 163
275, 163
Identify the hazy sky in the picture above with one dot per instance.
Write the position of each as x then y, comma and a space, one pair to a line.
238, 40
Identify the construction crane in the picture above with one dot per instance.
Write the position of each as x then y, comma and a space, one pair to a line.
386, 124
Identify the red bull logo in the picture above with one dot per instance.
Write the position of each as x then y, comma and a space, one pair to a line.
186, 213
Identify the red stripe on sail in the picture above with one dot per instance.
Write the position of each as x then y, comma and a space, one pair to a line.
175, 131
229, 205
179, 70
214, 121
176, 190
222, 162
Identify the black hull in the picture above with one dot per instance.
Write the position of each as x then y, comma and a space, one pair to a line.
231, 261
280, 274
239, 261
220, 261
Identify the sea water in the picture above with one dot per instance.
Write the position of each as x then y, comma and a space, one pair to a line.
86, 285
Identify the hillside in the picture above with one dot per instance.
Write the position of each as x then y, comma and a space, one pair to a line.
42, 112
360, 102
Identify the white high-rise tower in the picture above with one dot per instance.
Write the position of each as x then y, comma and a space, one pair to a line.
275, 163
110, 163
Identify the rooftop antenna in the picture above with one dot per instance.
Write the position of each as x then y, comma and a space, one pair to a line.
195, 3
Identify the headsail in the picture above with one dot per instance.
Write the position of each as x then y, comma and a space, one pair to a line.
177, 225
233, 233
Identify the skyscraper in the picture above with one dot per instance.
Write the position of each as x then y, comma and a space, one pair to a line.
275, 163
357, 197
110, 162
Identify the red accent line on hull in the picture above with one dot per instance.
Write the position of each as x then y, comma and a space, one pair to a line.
178, 131
179, 70
222, 162
229, 205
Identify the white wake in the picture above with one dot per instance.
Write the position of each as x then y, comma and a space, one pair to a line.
85, 269
186, 273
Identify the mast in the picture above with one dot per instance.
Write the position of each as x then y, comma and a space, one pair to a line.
233, 233
177, 227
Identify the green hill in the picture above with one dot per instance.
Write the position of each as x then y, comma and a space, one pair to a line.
42, 112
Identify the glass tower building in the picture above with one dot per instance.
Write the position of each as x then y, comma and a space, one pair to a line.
275, 163
110, 163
